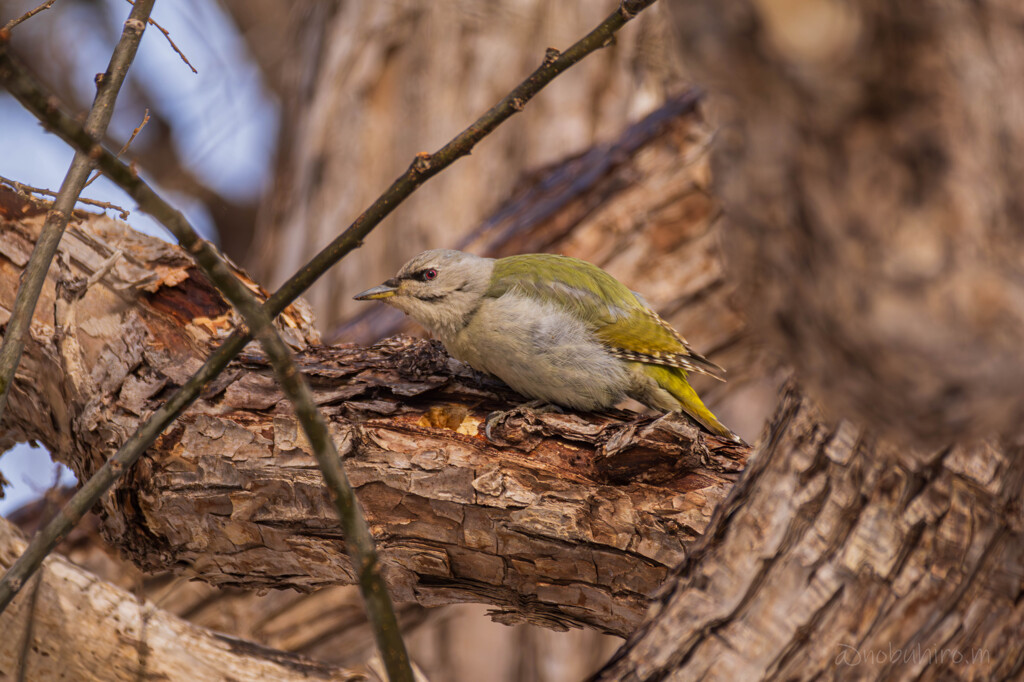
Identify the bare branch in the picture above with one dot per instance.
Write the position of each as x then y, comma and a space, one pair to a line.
30, 619
167, 35
124, 148
49, 508
28, 15
25, 190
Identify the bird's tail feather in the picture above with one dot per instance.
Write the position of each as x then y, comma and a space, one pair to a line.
673, 380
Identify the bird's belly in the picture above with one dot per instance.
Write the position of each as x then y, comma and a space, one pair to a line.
543, 353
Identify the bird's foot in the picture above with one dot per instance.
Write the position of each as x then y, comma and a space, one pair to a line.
527, 409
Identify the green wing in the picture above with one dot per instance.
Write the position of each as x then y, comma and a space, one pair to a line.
630, 329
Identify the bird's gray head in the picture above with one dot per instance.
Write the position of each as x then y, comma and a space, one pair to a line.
440, 289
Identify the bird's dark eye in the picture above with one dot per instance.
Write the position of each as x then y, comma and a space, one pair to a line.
430, 274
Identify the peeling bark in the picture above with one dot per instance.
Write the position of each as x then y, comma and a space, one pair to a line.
85, 629
574, 520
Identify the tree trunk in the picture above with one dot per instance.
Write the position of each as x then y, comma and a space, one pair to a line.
869, 162
838, 554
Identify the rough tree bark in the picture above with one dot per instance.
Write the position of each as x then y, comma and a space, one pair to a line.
575, 522
840, 554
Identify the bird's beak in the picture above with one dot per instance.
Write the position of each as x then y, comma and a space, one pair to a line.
386, 290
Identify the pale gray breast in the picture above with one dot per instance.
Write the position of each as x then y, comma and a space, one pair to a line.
542, 352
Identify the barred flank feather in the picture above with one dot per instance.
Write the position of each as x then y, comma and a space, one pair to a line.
691, 363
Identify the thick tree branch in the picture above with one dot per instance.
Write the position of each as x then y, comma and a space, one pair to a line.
576, 522
85, 629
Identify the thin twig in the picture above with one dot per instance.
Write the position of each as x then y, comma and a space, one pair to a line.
27, 190
28, 15
168, 36
104, 269
124, 148
56, 221
30, 620
37, 102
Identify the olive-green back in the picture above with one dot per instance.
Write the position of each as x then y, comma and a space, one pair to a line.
616, 315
